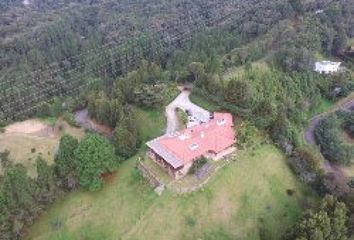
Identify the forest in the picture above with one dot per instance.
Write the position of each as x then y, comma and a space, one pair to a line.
112, 57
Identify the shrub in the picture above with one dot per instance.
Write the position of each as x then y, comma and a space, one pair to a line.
198, 164
70, 119
306, 164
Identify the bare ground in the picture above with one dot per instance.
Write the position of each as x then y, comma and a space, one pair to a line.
83, 119
31, 127
32, 138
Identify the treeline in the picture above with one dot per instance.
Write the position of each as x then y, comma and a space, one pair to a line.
89, 26
24, 198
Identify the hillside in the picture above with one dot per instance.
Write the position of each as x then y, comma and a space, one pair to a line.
85, 84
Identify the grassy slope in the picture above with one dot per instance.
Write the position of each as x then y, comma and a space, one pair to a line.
244, 197
21, 145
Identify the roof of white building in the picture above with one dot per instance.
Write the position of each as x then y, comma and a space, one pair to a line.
328, 63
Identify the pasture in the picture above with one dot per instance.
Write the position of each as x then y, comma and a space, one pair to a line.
32, 138
255, 196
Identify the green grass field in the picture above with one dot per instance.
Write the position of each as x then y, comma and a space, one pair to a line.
236, 72
199, 100
151, 123
243, 200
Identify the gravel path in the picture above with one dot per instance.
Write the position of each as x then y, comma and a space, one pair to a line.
184, 103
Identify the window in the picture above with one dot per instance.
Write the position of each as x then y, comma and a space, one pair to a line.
221, 122
193, 146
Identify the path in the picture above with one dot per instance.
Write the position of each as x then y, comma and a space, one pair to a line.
310, 131
346, 104
184, 103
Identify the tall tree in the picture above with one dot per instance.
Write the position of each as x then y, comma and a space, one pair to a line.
329, 222
65, 166
126, 137
94, 157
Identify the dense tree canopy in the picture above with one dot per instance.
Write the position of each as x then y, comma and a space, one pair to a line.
65, 161
94, 157
329, 137
328, 222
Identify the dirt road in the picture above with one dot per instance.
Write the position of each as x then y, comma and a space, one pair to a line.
310, 131
346, 104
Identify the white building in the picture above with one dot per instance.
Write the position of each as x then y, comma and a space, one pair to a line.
327, 67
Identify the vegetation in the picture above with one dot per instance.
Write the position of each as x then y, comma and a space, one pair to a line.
65, 161
119, 60
329, 221
94, 156
329, 137
218, 209
45, 143
198, 164
22, 198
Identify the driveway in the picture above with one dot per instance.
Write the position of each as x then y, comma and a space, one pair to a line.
184, 103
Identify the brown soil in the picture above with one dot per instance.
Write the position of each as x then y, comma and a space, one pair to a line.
101, 128
348, 138
109, 177
83, 119
30, 127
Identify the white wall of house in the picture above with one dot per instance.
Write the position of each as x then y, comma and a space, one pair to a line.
327, 67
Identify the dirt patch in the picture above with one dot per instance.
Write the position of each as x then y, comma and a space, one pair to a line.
30, 127
348, 138
32, 138
109, 177
83, 119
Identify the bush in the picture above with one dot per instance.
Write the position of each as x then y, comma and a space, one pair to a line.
306, 164
198, 164
70, 119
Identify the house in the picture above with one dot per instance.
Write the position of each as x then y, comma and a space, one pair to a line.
177, 153
327, 67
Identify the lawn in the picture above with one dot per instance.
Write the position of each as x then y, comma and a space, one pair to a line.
201, 101
236, 72
244, 200
151, 123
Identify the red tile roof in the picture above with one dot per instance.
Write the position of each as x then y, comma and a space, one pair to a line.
190, 144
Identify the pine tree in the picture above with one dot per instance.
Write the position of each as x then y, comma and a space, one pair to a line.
65, 159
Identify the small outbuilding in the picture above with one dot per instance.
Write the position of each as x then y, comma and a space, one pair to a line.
327, 67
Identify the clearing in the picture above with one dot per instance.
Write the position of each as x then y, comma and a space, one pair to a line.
28, 139
257, 194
